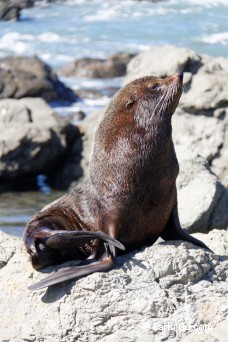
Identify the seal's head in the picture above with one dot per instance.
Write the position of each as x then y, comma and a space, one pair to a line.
148, 97
142, 108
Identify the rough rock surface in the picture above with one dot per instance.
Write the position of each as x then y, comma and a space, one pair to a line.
205, 77
202, 199
30, 77
141, 299
33, 140
114, 66
206, 136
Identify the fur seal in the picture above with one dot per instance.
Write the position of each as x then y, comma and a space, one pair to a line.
130, 197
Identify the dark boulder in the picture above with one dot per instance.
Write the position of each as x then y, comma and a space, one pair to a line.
33, 140
114, 66
30, 77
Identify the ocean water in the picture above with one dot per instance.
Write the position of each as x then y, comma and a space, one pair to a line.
60, 33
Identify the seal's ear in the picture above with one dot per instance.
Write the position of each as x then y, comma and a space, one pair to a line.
129, 103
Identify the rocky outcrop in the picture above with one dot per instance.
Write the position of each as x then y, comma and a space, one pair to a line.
114, 66
11, 9
170, 291
30, 77
33, 140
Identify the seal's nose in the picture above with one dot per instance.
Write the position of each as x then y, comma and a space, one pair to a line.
180, 76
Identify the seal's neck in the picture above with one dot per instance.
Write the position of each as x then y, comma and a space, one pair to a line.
156, 135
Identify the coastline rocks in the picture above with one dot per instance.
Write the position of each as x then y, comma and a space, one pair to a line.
114, 66
30, 77
10, 9
171, 284
33, 140
205, 77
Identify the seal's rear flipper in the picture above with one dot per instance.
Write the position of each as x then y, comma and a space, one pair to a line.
63, 239
85, 268
173, 231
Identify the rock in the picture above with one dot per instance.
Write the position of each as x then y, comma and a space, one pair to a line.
201, 197
10, 9
141, 299
33, 140
223, 62
208, 90
201, 134
8, 247
219, 164
113, 66
162, 61
30, 77
206, 136
205, 77
216, 238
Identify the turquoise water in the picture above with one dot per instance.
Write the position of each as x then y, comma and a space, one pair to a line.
61, 33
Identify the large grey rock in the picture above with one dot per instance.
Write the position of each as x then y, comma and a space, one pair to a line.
205, 77
202, 135
162, 61
141, 299
206, 136
30, 77
33, 140
202, 199
207, 89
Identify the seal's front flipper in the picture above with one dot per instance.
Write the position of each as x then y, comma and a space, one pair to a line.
86, 267
63, 239
173, 231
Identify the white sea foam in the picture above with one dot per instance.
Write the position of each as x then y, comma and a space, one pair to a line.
49, 37
121, 11
216, 38
16, 42
202, 3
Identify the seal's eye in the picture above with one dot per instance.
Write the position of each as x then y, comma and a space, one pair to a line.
154, 87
